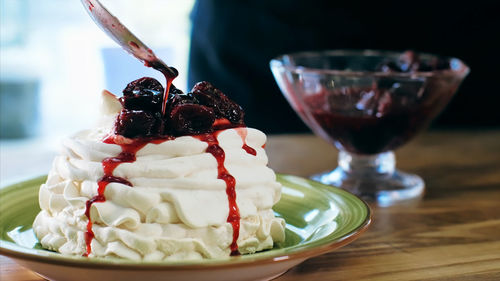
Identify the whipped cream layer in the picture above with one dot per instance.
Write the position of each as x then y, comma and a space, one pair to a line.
176, 208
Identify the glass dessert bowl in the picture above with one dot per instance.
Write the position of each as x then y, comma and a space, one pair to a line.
368, 103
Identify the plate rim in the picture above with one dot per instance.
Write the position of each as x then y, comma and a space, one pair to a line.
8, 248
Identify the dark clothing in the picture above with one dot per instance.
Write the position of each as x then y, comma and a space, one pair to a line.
233, 42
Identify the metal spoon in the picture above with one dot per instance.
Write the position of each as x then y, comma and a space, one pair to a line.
128, 41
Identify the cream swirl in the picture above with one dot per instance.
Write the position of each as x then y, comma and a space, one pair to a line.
177, 207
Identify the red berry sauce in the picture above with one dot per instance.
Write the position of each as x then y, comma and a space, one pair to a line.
202, 113
90, 5
234, 213
156, 64
109, 165
128, 155
243, 134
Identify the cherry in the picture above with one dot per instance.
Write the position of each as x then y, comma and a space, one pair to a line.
143, 94
144, 85
223, 107
190, 113
190, 119
137, 123
177, 97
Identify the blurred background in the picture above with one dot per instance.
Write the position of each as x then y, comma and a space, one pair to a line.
54, 61
233, 41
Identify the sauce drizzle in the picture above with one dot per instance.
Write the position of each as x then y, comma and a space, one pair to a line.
234, 213
169, 74
128, 155
109, 165
243, 132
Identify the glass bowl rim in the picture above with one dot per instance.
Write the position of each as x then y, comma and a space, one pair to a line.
461, 70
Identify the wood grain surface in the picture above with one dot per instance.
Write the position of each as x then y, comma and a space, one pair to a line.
453, 233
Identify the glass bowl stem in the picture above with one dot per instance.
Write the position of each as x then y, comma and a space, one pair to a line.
373, 178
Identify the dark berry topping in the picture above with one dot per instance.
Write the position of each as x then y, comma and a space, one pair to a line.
137, 123
223, 107
203, 110
143, 94
143, 86
191, 119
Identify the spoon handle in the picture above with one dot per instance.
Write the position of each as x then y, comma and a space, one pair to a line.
121, 35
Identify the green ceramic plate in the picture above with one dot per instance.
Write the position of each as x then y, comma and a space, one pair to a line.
319, 219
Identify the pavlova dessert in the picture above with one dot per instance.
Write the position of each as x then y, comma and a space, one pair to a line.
162, 177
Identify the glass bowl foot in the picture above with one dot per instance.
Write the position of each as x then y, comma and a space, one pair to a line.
374, 179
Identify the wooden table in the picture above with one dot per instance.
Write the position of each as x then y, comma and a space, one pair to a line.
452, 234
